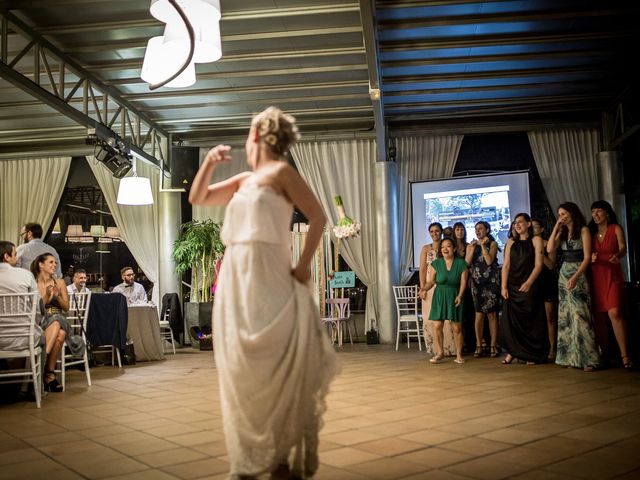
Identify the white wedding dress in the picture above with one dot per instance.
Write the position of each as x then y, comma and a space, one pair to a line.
274, 363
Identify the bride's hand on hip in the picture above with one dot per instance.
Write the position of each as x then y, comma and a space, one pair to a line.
301, 273
218, 154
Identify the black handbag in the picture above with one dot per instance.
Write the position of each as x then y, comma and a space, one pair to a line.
372, 334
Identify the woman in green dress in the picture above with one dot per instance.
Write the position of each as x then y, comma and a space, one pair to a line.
450, 276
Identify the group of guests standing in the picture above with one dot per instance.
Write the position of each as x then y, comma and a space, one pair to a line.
529, 289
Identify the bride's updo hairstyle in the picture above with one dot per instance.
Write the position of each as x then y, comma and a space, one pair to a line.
276, 129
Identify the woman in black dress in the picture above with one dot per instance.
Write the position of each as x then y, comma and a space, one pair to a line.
523, 327
549, 282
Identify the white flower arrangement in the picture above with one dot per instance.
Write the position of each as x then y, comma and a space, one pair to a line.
346, 227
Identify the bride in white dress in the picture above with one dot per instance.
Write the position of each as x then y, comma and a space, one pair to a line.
274, 364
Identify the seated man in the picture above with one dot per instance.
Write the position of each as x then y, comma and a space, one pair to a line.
16, 280
79, 285
129, 288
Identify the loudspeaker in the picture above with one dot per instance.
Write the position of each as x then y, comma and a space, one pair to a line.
184, 165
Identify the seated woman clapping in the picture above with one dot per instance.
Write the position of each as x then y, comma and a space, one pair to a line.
55, 304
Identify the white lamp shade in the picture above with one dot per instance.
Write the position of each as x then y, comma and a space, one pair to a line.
56, 227
208, 46
96, 230
74, 231
208, 10
135, 191
112, 232
161, 61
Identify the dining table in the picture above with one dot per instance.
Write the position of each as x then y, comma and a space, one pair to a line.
143, 330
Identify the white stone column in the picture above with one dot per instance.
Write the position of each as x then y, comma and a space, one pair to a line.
169, 222
387, 246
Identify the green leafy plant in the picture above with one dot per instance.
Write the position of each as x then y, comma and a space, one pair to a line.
198, 248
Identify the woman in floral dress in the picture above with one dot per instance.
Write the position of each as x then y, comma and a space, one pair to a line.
576, 337
485, 284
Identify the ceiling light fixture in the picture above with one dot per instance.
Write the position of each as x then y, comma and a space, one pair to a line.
192, 35
134, 190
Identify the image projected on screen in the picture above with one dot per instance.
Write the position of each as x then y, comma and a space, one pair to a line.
470, 206
494, 198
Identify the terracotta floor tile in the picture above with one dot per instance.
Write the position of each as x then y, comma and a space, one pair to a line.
391, 415
389, 447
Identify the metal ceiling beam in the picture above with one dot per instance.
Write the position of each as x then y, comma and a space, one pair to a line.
149, 21
507, 39
141, 42
586, 54
245, 90
518, 16
296, 113
253, 73
250, 103
369, 34
517, 101
570, 84
136, 63
56, 95
523, 72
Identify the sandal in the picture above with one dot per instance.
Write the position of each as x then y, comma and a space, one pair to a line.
627, 363
589, 368
478, 352
508, 359
459, 360
52, 386
494, 352
437, 359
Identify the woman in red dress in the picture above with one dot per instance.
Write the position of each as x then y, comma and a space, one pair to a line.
606, 275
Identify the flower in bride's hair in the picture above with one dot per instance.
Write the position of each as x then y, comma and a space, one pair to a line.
271, 139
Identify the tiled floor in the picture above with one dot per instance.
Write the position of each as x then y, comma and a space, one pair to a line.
391, 415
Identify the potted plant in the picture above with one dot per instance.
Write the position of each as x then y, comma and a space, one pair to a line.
199, 249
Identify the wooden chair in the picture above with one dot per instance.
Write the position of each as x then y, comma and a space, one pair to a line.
339, 317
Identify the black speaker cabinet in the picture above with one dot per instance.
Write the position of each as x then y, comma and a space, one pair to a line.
184, 165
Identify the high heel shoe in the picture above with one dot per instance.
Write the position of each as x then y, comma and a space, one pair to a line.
494, 352
627, 363
478, 352
52, 386
508, 359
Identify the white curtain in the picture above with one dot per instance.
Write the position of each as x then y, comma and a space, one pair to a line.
30, 190
567, 164
346, 168
139, 224
420, 158
222, 171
